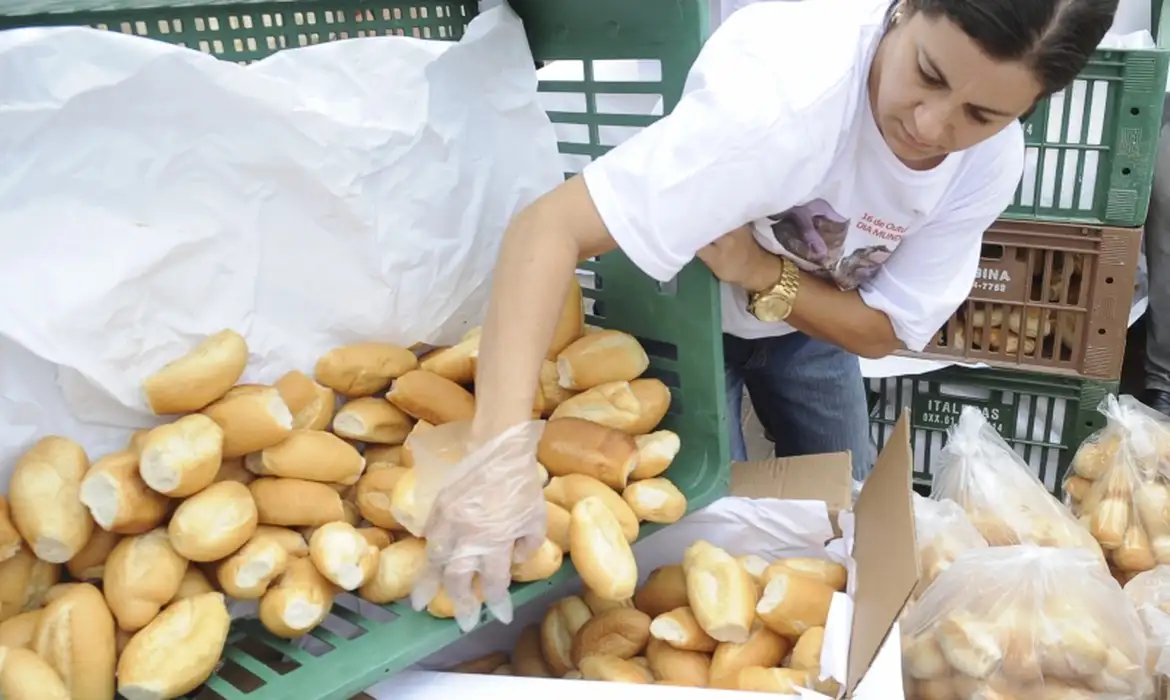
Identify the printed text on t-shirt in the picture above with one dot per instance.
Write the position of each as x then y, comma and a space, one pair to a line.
881, 228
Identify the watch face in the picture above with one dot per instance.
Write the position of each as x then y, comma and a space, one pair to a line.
771, 309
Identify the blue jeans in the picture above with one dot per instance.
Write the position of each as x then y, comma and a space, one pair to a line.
809, 396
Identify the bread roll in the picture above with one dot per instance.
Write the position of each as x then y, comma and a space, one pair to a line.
827, 572
665, 590
763, 648
90, 563
527, 660
376, 536
755, 566
1034, 327
558, 630
656, 452
248, 573
806, 655
550, 394
598, 358
487, 663
576, 446
685, 668
26, 676
310, 403
76, 637
922, 658
545, 562
407, 454
399, 567
429, 397
295, 502
971, 646
117, 497
342, 555
604, 667
182, 458
373, 495
558, 525
143, 574
214, 522
621, 632
24, 581
612, 404
372, 420
721, 594
18, 631
656, 500
10, 541
363, 369
571, 323
599, 605
569, 490
681, 630
44, 499
793, 604
378, 456
654, 399
456, 363
443, 607
251, 421
600, 551
773, 680
291, 541
201, 376
137, 440
312, 455
177, 651
194, 583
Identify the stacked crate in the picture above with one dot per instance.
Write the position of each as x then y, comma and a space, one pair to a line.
1050, 304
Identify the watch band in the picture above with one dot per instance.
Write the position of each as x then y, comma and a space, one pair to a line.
782, 295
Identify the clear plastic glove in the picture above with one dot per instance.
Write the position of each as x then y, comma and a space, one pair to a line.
480, 508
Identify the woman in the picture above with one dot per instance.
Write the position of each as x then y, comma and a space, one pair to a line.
855, 151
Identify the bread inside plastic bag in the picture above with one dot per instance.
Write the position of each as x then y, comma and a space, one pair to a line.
1006, 503
1119, 488
1025, 623
1149, 592
943, 531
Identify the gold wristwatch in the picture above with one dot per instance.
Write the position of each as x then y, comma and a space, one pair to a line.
773, 305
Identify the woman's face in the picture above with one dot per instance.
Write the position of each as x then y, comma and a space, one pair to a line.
935, 92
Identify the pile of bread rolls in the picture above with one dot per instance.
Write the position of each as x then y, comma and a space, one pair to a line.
285, 495
713, 621
1006, 503
1119, 487
995, 331
1024, 623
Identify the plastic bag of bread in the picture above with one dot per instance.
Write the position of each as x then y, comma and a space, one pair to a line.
943, 532
1119, 487
1006, 503
1025, 623
1149, 592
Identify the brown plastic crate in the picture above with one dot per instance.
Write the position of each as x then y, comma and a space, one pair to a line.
1072, 283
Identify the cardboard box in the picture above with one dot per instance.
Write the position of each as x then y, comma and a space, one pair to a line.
883, 573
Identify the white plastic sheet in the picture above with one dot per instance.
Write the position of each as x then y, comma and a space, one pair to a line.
767, 527
151, 194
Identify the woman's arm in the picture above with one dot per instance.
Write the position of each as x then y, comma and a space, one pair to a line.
821, 310
538, 258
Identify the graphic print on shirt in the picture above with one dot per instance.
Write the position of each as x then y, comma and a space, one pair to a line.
814, 233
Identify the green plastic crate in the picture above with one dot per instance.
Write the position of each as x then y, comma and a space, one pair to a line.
679, 323
1045, 418
1091, 147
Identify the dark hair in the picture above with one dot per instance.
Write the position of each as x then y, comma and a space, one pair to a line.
1053, 37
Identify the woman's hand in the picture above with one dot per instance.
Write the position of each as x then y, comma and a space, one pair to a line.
737, 259
480, 508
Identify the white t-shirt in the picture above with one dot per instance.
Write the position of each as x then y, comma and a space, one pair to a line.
775, 128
